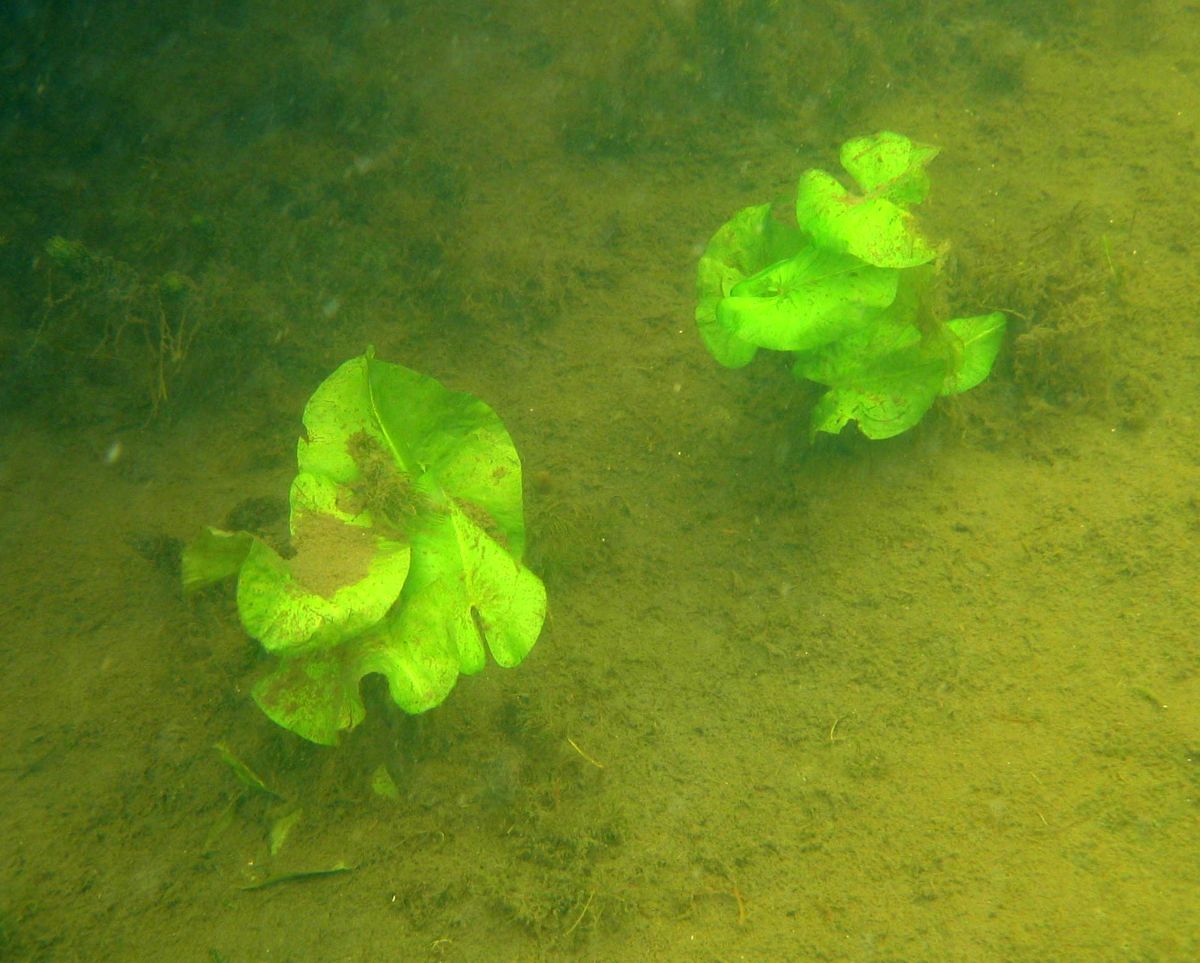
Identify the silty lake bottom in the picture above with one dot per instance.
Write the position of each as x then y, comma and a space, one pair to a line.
931, 698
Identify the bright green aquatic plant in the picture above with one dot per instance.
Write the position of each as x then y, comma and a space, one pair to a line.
407, 530
843, 281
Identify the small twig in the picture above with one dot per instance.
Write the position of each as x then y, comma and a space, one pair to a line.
595, 762
579, 918
741, 902
833, 728
734, 892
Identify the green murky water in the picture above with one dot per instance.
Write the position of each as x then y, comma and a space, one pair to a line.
934, 698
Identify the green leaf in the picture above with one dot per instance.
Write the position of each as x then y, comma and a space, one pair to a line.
885, 379
888, 376
871, 228
743, 246
408, 530
315, 695
342, 580
882, 407
453, 446
981, 337
889, 165
805, 301
213, 556
382, 784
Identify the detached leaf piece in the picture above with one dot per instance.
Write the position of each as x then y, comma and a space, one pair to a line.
408, 531
845, 290
299, 875
247, 776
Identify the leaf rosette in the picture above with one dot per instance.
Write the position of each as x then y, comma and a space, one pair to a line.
844, 289
407, 534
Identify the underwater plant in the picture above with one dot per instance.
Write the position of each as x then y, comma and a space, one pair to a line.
117, 316
407, 534
844, 281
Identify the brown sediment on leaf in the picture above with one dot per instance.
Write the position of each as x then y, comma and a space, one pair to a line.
382, 488
330, 554
484, 519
